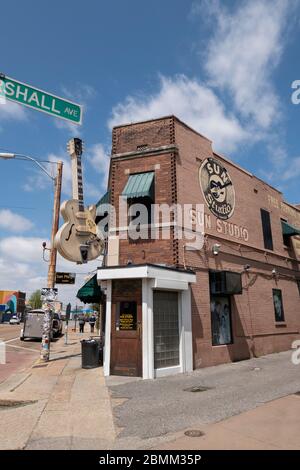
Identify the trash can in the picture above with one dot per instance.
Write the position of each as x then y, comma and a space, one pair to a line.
90, 353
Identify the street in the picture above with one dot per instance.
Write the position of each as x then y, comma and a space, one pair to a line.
19, 354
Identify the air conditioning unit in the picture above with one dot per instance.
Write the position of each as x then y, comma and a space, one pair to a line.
225, 283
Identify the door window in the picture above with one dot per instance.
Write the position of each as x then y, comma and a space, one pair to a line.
220, 320
126, 316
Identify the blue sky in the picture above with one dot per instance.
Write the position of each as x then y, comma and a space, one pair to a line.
224, 67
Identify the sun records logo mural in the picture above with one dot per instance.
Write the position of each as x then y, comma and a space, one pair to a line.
217, 188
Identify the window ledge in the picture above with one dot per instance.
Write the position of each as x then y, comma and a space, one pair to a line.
280, 323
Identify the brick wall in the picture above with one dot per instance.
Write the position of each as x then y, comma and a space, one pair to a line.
177, 180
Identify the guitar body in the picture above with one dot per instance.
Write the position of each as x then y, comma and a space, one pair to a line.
79, 229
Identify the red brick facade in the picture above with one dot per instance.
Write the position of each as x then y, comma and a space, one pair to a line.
175, 153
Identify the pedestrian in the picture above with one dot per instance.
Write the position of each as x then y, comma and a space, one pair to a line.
81, 322
92, 323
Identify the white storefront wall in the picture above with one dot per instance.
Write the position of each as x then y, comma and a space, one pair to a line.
153, 277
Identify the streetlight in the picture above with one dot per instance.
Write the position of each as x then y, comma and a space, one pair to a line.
57, 180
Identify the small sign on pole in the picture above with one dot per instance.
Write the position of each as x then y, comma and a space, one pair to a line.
49, 294
65, 278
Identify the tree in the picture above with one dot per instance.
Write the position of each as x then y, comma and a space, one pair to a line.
96, 307
35, 299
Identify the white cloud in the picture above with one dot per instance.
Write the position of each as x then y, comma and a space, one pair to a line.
22, 268
66, 173
71, 128
10, 111
93, 191
190, 100
14, 222
22, 249
293, 170
244, 50
39, 180
99, 158
81, 94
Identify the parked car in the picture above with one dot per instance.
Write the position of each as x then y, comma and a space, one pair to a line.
14, 320
57, 325
33, 325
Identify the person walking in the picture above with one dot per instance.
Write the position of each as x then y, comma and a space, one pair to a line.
92, 323
81, 322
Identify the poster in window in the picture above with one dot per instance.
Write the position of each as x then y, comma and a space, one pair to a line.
278, 305
220, 321
127, 316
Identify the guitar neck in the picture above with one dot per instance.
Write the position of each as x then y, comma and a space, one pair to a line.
77, 182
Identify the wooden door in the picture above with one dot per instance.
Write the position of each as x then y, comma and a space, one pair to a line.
126, 338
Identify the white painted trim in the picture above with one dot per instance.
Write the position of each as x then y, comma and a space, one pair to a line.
146, 271
107, 344
150, 332
145, 335
180, 331
170, 284
147, 313
166, 371
187, 337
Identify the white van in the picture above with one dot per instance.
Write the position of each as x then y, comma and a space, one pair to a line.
33, 325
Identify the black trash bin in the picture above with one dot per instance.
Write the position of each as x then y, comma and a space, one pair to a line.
90, 353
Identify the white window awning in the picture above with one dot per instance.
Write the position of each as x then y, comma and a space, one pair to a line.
163, 277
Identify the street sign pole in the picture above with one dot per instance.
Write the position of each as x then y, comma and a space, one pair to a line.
47, 323
68, 312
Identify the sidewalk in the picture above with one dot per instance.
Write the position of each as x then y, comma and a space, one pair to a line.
272, 426
69, 407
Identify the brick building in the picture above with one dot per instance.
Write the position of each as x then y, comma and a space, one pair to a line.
170, 306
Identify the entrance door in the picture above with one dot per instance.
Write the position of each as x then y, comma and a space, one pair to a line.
126, 339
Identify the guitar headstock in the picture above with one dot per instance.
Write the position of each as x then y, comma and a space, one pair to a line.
75, 147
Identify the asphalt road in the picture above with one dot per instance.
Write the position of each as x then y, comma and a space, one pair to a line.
152, 408
19, 354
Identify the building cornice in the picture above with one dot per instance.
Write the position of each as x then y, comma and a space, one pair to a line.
146, 152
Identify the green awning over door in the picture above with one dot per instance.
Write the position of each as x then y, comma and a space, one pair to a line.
90, 292
139, 185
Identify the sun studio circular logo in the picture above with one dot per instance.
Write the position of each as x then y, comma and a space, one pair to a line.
217, 188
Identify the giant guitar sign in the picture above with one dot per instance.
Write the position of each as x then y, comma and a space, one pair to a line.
77, 240
39, 100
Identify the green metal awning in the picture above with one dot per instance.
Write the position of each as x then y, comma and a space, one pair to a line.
103, 205
139, 185
288, 230
105, 199
90, 292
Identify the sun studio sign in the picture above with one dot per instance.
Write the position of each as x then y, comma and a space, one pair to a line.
217, 188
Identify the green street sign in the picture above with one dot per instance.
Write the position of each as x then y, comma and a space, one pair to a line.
40, 100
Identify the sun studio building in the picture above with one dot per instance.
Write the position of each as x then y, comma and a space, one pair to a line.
214, 279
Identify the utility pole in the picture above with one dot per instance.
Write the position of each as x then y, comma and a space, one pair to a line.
47, 305
47, 323
55, 224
